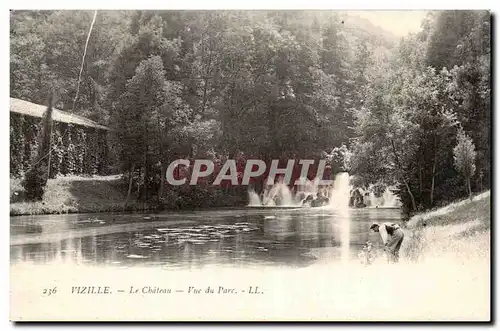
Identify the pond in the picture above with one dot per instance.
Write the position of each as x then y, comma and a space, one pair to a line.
292, 237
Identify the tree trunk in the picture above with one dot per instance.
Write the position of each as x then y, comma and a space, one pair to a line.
163, 175
145, 179
50, 154
130, 180
481, 181
146, 170
51, 100
468, 185
414, 206
420, 179
433, 181
434, 165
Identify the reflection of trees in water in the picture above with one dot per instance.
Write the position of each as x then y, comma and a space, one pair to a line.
293, 237
286, 238
308, 232
239, 247
278, 226
17, 253
315, 231
325, 232
39, 253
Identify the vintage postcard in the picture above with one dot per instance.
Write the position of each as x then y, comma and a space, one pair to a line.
250, 165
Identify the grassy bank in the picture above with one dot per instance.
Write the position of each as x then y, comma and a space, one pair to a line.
75, 195
460, 229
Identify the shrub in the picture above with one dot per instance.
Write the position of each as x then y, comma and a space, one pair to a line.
35, 181
37, 176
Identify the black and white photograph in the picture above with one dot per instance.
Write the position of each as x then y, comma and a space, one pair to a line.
250, 165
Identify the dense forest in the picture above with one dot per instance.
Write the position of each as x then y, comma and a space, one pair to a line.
412, 112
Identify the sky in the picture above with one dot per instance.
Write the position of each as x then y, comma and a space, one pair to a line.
401, 23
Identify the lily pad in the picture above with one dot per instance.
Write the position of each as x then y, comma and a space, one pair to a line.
134, 256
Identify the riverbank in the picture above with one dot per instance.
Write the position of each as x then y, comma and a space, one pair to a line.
100, 194
74, 194
461, 229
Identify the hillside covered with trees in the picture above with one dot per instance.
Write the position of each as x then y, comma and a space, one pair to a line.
224, 85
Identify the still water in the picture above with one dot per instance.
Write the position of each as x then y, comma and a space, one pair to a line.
241, 237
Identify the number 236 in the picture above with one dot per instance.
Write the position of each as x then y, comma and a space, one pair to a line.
49, 291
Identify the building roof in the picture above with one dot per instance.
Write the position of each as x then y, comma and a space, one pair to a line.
32, 109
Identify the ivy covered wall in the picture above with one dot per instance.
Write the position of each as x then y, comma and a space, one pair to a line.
76, 149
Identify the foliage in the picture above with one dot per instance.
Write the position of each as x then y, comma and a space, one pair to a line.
261, 84
36, 177
464, 156
339, 159
84, 156
406, 128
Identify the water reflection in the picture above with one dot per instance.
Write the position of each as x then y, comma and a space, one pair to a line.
294, 238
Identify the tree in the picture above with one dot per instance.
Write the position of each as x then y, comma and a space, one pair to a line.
48, 46
256, 84
464, 156
451, 26
36, 177
139, 123
335, 63
424, 96
386, 143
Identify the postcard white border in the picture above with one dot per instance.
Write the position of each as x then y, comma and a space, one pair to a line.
185, 4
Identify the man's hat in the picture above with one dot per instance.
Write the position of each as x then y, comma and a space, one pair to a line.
374, 225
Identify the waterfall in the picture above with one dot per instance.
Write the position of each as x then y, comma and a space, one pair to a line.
340, 192
339, 200
254, 199
277, 195
286, 196
387, 200
280, 194
390, 200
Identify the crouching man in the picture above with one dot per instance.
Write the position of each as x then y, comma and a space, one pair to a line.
392, 237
